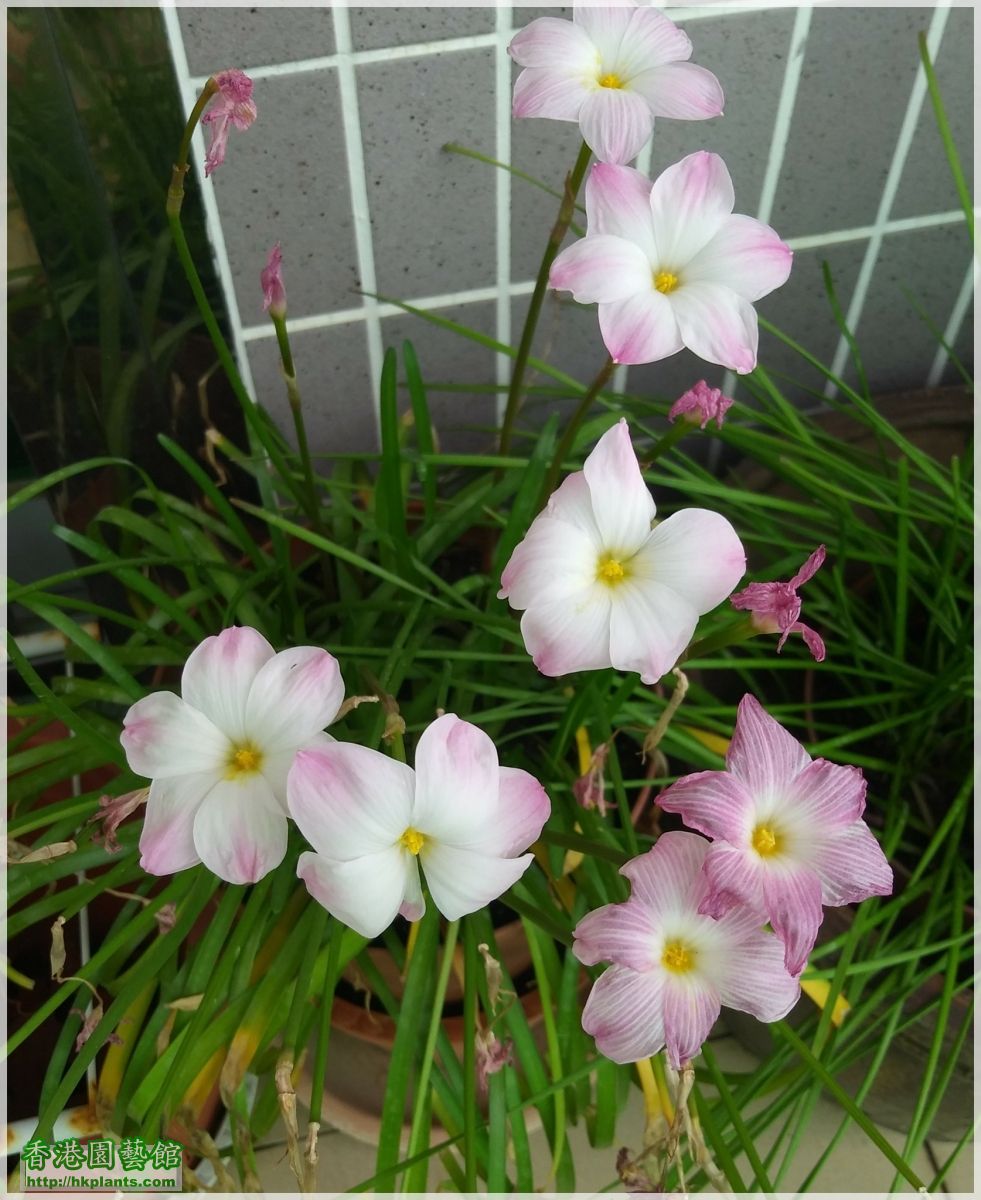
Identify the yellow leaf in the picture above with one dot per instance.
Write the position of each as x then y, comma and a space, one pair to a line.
711, 741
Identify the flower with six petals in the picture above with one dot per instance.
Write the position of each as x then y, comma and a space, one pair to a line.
613, 70
373, 822
232, 105
218, 754
670, 265
776, 606
600, 587
788, 835
673, 967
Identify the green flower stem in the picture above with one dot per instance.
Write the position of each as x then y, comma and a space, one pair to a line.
175, 193
471, 969
669, 439
567, 211
731, 636
572, 428
323, 1036
296, 408
418, 1135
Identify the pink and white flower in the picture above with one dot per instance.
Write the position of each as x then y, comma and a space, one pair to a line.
218, 755
232, 105
373, 822
701, 404
788, 835
673, 967
602, 586
273, 288
670, 265
613, 70
776, 607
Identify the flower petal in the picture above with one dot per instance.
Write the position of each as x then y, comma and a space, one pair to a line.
167, 839
713, 802
744, 255
812, 640
572, 502
825, 795
552, 42
461, 881
604, 27
619, 933
571, 634
240, 829
650, 40
690, 1010
601, 268
641, 329
690, 201
616, 124
413, 905
219, 673
276, 767
681, 91
163, 737
762, 753
851, 866
717, 324
523, 809
697, 554
755, 980
622, 504
793, 903
364, 893
650, 626
458, 781
618, 202
349, 801
546, 92
624, 1014
554, 560
810, 568
734, 876
293, 697
668, 879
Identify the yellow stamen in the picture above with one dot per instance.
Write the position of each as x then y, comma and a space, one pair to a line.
665, 281
765, 840
244, 760
611, 81
610, 570
412, 840
676, 956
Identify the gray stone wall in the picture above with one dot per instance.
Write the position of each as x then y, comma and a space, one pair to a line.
828, 133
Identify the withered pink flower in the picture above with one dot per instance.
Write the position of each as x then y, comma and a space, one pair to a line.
590, 789
113, 810
701, 404
273, 289
776, 606
788, 835
232, 105
492, 1056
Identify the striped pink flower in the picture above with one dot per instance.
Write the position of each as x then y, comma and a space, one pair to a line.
776, 606
232, 106
788, 835
674, 967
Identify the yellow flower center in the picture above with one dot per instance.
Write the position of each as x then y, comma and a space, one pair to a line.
610, 570
412, 840
244, 760
766, 841
665, 281
678, 957
611, 81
